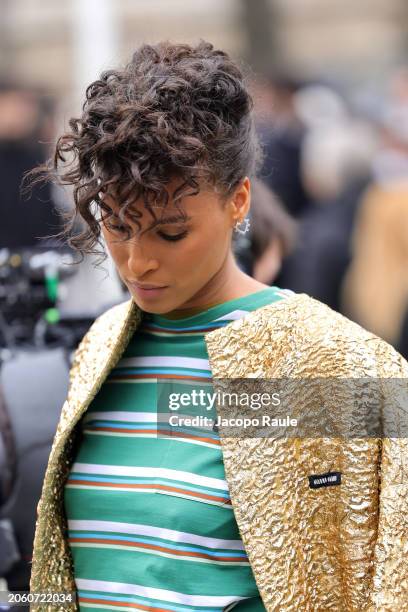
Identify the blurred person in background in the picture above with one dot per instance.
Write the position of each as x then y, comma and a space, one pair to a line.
335, 167
281, 133
271, 236
375, 290
25, 123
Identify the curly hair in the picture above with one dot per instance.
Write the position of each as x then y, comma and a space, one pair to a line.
174, 111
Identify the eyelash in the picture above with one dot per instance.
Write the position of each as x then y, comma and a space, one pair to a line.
168, 237
174, 238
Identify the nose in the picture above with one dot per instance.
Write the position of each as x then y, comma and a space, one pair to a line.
139, 261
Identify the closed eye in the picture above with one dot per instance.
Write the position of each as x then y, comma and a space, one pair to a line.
172, 237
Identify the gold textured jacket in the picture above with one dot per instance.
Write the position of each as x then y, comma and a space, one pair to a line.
340, 548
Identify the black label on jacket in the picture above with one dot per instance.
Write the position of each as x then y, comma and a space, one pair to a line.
328, 479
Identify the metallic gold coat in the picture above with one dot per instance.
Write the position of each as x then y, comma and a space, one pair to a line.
342, 548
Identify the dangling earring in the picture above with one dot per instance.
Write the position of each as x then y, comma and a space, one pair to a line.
243, 230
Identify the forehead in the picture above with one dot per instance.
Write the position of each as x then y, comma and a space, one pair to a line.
189, 206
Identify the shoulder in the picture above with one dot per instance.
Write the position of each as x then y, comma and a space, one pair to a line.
112, 314
352, 348
298, 314
105, 332
109, 319
301, 334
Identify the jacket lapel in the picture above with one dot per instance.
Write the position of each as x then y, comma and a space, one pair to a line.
97, 353
259, 346
107, 339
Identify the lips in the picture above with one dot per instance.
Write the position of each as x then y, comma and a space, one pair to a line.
147, 291
139, 286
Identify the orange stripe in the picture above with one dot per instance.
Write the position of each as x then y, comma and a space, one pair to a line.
156, 547
176, 376
124, 604
191, 436
143, 486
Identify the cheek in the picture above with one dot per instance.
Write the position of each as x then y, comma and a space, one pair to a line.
203, 247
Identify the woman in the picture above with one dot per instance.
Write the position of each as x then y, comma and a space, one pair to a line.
135, 517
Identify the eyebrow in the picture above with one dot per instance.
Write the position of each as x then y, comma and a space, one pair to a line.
162, 221
171, 219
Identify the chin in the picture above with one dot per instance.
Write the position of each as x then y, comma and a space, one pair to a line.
159, 308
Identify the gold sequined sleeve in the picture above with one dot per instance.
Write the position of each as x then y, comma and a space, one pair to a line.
390, 578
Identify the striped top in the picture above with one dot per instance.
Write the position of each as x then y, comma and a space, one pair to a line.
150, 520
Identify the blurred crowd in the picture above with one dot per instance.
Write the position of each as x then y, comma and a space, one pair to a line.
328, 208
338, 165
329, 217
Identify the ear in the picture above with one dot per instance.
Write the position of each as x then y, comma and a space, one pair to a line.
240, 201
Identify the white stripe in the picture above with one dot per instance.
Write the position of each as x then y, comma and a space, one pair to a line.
233, 316
121, 415
157, 532
285, 292
170, 362
114, 434
163, 594
168, 334
122, 488
239, 314
152, 472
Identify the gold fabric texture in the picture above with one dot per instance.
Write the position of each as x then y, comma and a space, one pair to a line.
341, 548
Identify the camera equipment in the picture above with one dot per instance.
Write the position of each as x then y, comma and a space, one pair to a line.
37, 342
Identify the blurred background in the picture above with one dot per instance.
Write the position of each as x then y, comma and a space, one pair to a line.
329, 212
